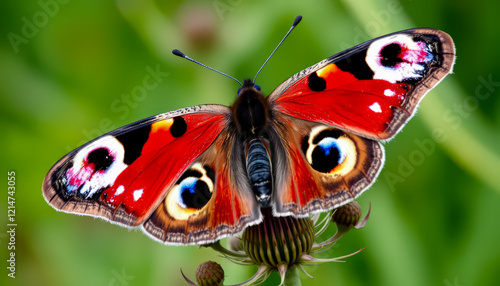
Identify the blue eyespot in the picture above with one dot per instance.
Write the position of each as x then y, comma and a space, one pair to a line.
327, 144
327, 154
194, 193
188, 185
331, 149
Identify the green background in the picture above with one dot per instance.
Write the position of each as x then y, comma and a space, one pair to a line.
66, 67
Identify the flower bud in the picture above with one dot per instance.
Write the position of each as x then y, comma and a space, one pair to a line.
347, 216
210, 274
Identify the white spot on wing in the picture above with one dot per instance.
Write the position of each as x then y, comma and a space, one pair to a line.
137, 194
119, 190
389, 92
375, 107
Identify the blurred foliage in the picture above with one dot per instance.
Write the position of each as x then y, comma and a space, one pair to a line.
68, 69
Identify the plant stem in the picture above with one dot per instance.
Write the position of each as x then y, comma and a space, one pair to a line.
292, 277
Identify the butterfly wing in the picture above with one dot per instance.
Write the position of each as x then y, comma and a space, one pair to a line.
123, 176
329, 117
222, 203
372, 89
320, 167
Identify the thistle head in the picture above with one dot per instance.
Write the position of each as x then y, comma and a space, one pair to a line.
284, 244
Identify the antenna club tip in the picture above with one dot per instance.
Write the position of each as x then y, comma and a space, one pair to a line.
178, 53
297, 20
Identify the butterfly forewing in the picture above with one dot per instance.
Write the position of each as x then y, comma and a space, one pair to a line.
372, 89
122, 176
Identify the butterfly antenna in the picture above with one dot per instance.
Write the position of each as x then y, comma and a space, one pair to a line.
182, 55
295, 23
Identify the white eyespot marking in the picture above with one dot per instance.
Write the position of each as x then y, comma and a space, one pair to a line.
404, 59
375, 107
389, 93
119, 190
91, 177
199, 167
313, 134
173, 205
137, 194
350, 159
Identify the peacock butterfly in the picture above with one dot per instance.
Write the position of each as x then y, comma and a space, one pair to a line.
201, 173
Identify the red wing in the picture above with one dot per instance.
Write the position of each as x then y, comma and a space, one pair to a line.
372, 89
211, 200
322, 167
122, 176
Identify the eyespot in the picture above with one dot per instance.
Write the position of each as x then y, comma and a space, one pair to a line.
191, 193
95, 167
327, 154
194, 193
390, 55
329, 150
100, 158
399, 58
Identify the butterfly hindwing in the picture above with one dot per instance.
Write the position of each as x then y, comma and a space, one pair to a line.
372, 89
123, 175
222, 203
324, 167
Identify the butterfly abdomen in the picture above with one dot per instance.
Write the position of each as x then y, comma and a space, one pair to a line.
259, 171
